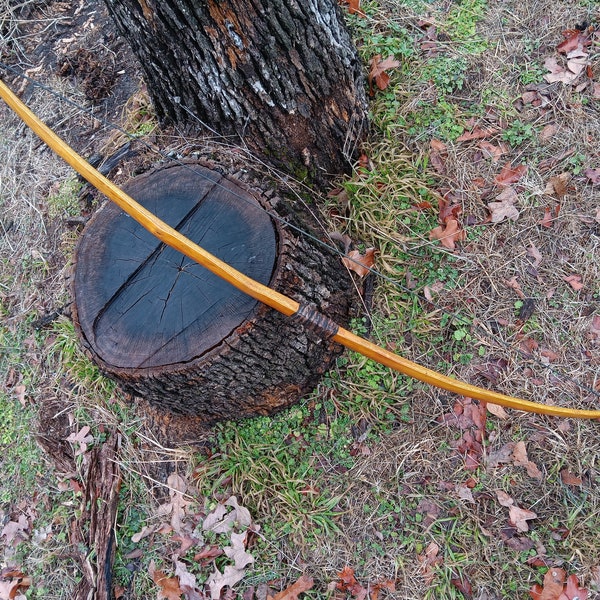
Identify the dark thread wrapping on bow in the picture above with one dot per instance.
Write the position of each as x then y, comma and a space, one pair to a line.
316, 322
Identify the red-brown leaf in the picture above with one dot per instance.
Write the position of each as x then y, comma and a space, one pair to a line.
448, 234
554, 580
510, 174
169, 586
572, 590
303, 584
361, 264
477, 134
575, 281
569, 479
377, 72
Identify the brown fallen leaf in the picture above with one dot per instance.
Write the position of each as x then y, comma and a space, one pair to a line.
169, 586
520, 459
558, 185
497, 410
569, 479
566, 75
478, 133
548, 132
448, 234
20, 394
13, 583
575, 281
493, 152
387, 584
463, 585
377, 72
361, 264
552, 588
572, 590
14, 532
514, 285
82, 439
437, 153
303, 584
187, 582
534, 253
504, 206
519, 517
510, 174
429, 559
593, 175
349, 583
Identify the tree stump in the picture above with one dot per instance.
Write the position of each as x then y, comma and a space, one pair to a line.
173, 333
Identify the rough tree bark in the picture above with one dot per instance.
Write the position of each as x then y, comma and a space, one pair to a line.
281, 76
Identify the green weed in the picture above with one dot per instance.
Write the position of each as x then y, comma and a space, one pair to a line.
65, 202
447, 73
518, 133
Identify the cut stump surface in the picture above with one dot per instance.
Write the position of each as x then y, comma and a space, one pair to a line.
172, 332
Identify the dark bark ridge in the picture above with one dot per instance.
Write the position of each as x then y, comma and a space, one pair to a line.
284, 77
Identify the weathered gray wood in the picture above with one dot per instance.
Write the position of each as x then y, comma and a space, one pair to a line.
282, 76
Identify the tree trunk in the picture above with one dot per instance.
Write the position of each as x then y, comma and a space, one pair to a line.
173, 333
279, 76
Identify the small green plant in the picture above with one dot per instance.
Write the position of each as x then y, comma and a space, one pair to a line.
577, 163
461, 24
532, 72
519, 133
435, 120
65, 202
447, 73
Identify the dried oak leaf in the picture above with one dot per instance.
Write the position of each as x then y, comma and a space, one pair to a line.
593, 175
437, 153
520, 459
82, 438
169, 586
569, 479
504, 207
377, 72
497, 410
361, 264
187, 582
14, 532
510, 174
231, 573
534, 253
548, 132
463, 585
429, 559
13, 584
448, 234
493, 152
478, 133
349, 583
176, 507
572, 591
519, 517
553, 585
222, 520
303, 584
558, 185
575, 281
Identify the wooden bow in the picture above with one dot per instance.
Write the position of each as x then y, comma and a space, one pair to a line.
262, 293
